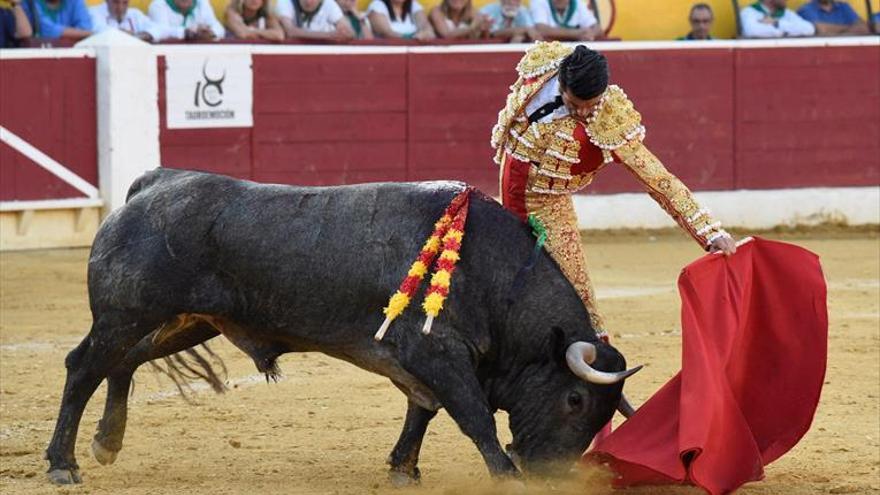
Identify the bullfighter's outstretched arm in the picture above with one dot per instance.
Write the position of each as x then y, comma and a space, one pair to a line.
672, 195
616, 128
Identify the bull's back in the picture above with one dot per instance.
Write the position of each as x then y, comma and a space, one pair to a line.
299, 251
206, 242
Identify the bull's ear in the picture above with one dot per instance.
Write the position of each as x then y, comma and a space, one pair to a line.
558, 345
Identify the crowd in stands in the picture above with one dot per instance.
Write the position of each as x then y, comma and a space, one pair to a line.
341, 21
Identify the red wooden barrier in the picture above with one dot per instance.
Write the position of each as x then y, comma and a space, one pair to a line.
726, 118
50, 104
719, 118
808, 117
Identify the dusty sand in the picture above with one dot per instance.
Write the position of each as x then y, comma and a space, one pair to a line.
328, 426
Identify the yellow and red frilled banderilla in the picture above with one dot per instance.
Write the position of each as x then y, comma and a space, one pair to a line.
448, 231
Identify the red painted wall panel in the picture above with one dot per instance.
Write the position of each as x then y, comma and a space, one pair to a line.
51, 104
719, 119
322, 120
808, 117
454, 102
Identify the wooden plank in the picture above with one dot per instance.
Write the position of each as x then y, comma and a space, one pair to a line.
785, 168
293, 69
50, 103
330, 127
769, 135
80, 118
230, 161
330, 156
438, 65
327, 178
309, 96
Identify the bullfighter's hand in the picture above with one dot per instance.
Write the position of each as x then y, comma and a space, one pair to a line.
725, 245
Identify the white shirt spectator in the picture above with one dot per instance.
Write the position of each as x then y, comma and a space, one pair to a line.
404, 28
323, 21
788, 24
581, 18
133, 22
174, 24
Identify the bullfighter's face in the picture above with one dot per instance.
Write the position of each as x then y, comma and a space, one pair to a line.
579, 108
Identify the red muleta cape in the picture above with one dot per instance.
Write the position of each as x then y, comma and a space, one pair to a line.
755, 332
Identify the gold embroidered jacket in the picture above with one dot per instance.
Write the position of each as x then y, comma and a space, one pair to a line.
554, 148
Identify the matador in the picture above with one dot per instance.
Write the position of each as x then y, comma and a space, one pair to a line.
562, 124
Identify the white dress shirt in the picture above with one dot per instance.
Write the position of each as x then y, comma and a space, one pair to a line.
134, 21
542, 13
790, 24
323, 21
174, 25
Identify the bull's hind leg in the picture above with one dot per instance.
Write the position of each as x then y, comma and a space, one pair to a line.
87, 365
111, 428
404, 459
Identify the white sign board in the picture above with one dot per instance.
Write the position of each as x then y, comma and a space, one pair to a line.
208, 90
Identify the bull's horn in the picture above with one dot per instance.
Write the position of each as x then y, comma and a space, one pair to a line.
625, 407
580, 355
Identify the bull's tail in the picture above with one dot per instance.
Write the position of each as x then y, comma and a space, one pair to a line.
184, 367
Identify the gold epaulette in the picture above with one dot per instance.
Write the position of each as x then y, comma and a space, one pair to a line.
615, 122
541, 58
537, 66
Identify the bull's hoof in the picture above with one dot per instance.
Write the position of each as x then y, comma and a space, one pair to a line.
64, 476
400, 479
104, 455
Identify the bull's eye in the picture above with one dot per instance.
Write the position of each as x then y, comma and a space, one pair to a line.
575, 400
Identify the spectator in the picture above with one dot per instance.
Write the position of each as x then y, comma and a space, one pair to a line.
565, 20
186, 19
117, 14
771, 19
875, 21
358, 20
314, 19
701, 19
511, 21
399, 19
14, 24
59, 18
833, 18
457, 19
253, 20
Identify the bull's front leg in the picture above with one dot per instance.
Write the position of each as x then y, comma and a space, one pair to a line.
447, 370
404, 459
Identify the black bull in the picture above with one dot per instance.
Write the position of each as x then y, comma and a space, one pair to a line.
280, 269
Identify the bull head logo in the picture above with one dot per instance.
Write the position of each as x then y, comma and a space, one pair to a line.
211, 91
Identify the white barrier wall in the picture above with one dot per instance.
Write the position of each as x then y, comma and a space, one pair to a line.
746, 209
128, 112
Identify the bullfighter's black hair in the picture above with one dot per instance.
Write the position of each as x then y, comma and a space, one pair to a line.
584, 72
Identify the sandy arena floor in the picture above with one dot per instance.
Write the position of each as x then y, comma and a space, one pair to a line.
328, 426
